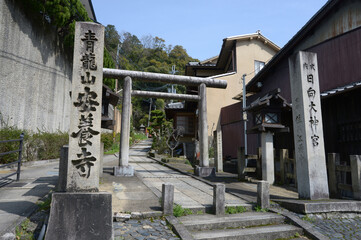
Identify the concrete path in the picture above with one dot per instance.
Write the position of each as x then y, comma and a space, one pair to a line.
18, 199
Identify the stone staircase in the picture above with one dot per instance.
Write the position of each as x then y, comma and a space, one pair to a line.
249, 225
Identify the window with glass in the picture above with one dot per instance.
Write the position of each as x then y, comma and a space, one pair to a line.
258, 65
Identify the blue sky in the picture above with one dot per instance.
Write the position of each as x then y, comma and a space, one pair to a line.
201, 25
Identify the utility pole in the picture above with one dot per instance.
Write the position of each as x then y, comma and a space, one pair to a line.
117, 60
150, 109
173, 72
116, 91
244, 115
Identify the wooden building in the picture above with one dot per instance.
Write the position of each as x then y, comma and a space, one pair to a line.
334, 33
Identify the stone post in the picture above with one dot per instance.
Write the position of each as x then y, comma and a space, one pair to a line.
203, 126
203, 170
241, 162
167, 198
63, 169
333, 159
268, 173
356, 176
82, 212
219, 201
307, 124
124, 169
219, 150
263, 194
101, 159
259, 163
283, 156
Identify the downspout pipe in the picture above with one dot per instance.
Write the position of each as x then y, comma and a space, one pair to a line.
244, 115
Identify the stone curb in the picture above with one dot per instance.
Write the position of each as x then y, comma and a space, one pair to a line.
120, 217
179, 228
309, 230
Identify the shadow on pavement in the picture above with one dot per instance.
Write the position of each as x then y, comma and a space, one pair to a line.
13, 207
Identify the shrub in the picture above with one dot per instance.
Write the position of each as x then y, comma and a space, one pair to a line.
48, 145
9, 133
37, 146
234, 210
107, 139
178, 211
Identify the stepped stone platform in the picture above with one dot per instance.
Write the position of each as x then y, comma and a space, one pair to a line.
248, 225
320, 206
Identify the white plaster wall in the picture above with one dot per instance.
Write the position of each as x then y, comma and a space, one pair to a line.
35, 75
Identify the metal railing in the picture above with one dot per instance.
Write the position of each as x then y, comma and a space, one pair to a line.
18, 162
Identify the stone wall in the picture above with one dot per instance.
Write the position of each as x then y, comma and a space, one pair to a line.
35, 74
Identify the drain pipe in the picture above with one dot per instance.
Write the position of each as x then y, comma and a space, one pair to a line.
43, 229
245, 117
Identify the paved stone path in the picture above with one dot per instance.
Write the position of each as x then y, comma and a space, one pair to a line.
339, 228
188, 192
144, 229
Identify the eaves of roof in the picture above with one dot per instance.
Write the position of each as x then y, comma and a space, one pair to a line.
226, 50
296, 39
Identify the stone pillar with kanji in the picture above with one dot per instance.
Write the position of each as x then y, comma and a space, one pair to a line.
307, 125
85, 116
82, 212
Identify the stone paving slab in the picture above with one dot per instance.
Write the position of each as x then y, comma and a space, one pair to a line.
189, 192
346, 226
18, 199
145, 229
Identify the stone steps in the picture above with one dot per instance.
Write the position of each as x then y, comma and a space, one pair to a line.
248, 225
253, 233
248, 219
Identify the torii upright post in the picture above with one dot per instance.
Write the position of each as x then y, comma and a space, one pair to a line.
124, 169
203, 170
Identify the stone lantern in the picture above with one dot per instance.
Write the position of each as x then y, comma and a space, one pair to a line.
266, 113
142, 128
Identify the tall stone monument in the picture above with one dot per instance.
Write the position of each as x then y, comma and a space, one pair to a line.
82, 212
307, 124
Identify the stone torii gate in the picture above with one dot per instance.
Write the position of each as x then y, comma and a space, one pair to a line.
124, 169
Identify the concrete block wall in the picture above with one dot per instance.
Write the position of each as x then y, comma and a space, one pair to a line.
35, 74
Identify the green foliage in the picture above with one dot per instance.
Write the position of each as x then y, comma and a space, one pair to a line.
22, 231
44, 205
159, 128
211, 151
199, 212
114, 147
259, 209
108, 63
107, 139
44, 145
188, 162
63, 14
8, 133
308, 218
37, 146
149, 54
159, 104
59, 13
178, 211
234, 210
